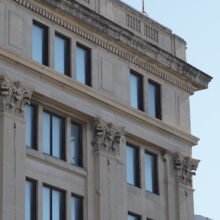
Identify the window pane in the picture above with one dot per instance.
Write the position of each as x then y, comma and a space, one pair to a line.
150, 172
82, 65
154, 100
29, 201
62, 55
75, 144
57, 136
56, 205
46, 133
76, 208
39, 44
46, 203
135, 91
30, 116
131, 217
132, 168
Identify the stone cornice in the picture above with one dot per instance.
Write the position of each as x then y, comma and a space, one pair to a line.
23, 62
194, 78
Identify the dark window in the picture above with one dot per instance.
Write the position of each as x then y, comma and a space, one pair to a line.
30, 200
83, 73
53, 135
132, 162
53, 204
31, 126
136, 91
151, 184
132, 216
76, 144
76, 208
154, 103
62, 55
40, 43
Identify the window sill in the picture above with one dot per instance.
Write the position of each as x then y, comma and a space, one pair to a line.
55, 162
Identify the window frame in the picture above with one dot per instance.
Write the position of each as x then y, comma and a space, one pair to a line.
63, 150
134, 215
81, 204
80, 164
67, 65
35, 198
140, 90
88, 76
45, 42
137, 164
155, 181
35, 128
158, 104
63, 192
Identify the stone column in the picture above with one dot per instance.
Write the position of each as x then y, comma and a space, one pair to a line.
185, 168
13, 98
110, 179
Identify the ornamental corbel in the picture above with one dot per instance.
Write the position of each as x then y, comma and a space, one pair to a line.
13, 96
107, 137
185, 167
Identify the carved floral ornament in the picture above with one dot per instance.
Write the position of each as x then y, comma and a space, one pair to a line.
13, 96
185, 167
107, 138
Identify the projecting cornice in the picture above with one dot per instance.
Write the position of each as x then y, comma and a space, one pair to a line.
184, 76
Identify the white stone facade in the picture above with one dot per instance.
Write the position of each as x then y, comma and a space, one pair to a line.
120, 39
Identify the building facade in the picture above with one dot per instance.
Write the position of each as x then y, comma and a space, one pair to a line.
94, 113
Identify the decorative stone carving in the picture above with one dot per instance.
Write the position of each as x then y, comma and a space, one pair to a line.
13, 96
107, 138
185, 168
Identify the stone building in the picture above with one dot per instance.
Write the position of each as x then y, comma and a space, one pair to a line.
94, 113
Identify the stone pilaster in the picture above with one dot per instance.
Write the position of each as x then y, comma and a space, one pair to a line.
13, 98
185, 168
110, 174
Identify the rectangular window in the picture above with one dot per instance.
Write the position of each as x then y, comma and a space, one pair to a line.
40, 43
30, 200
83, 73
133, 217
132, 162
76, 208
136, 91
154, 102
62, 55
53, 135
151, 184
53, 204
76, 144
31, 126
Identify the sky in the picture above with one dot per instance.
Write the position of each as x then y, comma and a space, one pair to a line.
198, 22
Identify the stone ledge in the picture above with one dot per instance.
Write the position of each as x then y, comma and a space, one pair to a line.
72, 85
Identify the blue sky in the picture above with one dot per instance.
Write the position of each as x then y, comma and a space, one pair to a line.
198, 22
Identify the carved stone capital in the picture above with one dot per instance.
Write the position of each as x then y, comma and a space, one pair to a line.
13, 96
107, 138
185, 167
